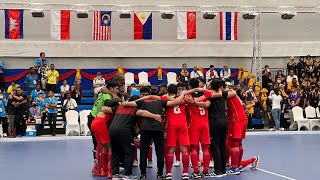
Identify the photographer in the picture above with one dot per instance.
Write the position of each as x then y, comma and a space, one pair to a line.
51, 104
68, 104
20, 101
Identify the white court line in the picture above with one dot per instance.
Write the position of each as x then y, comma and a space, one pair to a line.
276, 174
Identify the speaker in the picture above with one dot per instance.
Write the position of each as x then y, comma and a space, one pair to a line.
167, 15
209, 15
125, 15
249, 15
287, 15
37, 14
82, 14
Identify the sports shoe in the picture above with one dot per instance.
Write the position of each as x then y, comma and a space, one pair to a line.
118, 177
121, 169
199, 164
177, 164
185, 176
149, 164
143, 177
205, 175
241, 169
130, 177
214, 175
211, 165
109, 175
281, 129
255, 164
159, 177
96, 172
168, 176
135, 163
233, 171
195, 175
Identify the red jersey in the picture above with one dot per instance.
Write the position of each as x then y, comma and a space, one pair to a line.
235, 110
175, 115
199, 114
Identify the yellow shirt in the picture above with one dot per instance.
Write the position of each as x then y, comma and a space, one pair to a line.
52, 76
251, 109
9, 89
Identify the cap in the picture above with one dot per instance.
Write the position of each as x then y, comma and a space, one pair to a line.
99, 73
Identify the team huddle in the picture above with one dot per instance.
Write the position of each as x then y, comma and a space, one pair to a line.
187, 120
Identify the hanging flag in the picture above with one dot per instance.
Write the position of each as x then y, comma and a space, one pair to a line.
13, 24
228, 25
60, 25
187, 25
142, 25
101, 26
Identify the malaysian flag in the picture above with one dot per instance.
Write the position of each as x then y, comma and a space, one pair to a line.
101, 25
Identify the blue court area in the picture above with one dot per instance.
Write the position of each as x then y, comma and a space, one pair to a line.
282, 157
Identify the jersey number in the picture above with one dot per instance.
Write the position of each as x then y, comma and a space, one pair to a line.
176, 110
202, 111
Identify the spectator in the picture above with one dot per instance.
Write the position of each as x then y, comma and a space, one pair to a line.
134, 91
294, 82
276, 98
21, 111
281, 76
13, 85
314, 96
291, 65
3, 119
39, 61
266, 78
211, 73
42, 71
303, 96
196, 73
291, 76
294, 97
35, 93
306, 83
35, 112
31, 80
51, 104
309, 65
98, 84
301, 67
64, 89
2, 69
313, 78
41, 104
68, 104
250, 108
163, 89
53, 78
119, 79
76, 91
240, 92
184, 74
10, 114
225, 73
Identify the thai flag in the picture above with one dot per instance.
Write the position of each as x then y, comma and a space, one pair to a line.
228, 25
14, 24
142, 25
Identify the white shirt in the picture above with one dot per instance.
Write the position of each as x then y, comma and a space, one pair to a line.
225, 74
99, 81
276, 101
196, 74
215, 75
72, 104
289, 78
64, 88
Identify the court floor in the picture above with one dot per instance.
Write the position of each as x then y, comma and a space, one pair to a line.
283, 156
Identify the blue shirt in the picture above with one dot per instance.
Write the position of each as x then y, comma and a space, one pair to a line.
35, 95
3, 104
51, 101
31, 81
38, 62
2, 65
40, 104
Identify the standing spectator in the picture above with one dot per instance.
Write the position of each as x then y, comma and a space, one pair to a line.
225, 73
276, 98
98, 84
31, 80
163, 89
53, 78
21, 111
13, 85
76, 91
51, 103
10, 114
266, 77
196, 73
39, 61
2, 69
41, 104
68, 104
314, 96
291, 76
301, 67
303, 96
64, 89
3, 119
184, 74
309, 65
291, 65
250, 108
240, 92
35, 93
211, 73
42, 71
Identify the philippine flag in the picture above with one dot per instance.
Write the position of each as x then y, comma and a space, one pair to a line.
14, 24
228, 25
187, 25
60, 25
142, 25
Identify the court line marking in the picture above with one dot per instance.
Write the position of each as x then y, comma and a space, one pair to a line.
286, 177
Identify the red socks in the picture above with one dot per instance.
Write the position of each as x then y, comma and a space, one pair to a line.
177, 153
185, 161
169, 161
150, 153
241, 153
104, 161
235, 153
206, 157
194, 158
245, 163
109, 164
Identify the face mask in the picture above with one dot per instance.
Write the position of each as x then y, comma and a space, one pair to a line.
279, 81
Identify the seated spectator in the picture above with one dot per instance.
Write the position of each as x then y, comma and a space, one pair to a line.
42, 71
64, 89
134, 91
314, 96
294, 97
313, 78
294, 82
196, 73
211, 73
35, 112
281, 76
291, 76
98, 84
291, 65
225, 73
163, 89
76, 91
68, 104
31, 80
3, 119
305, 82
250, 108
35, 93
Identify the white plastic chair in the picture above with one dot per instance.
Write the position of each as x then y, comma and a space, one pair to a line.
172, 78
128, 78
1, 132
298, 117
84, 129
311, 115
143, 78
318, 112
72, 127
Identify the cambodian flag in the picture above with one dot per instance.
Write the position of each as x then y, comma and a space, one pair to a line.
13, 23
228, 26
142, 25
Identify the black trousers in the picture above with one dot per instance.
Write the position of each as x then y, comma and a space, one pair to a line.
51, 87
122, 148
20, 122
43, 118
5, 124
249, 126
218, 148
2, 83
52, 119
145, 140
94, 140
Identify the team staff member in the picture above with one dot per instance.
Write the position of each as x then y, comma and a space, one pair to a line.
53, 77
21, 111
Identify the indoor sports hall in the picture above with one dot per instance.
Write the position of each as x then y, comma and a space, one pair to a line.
66, 66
